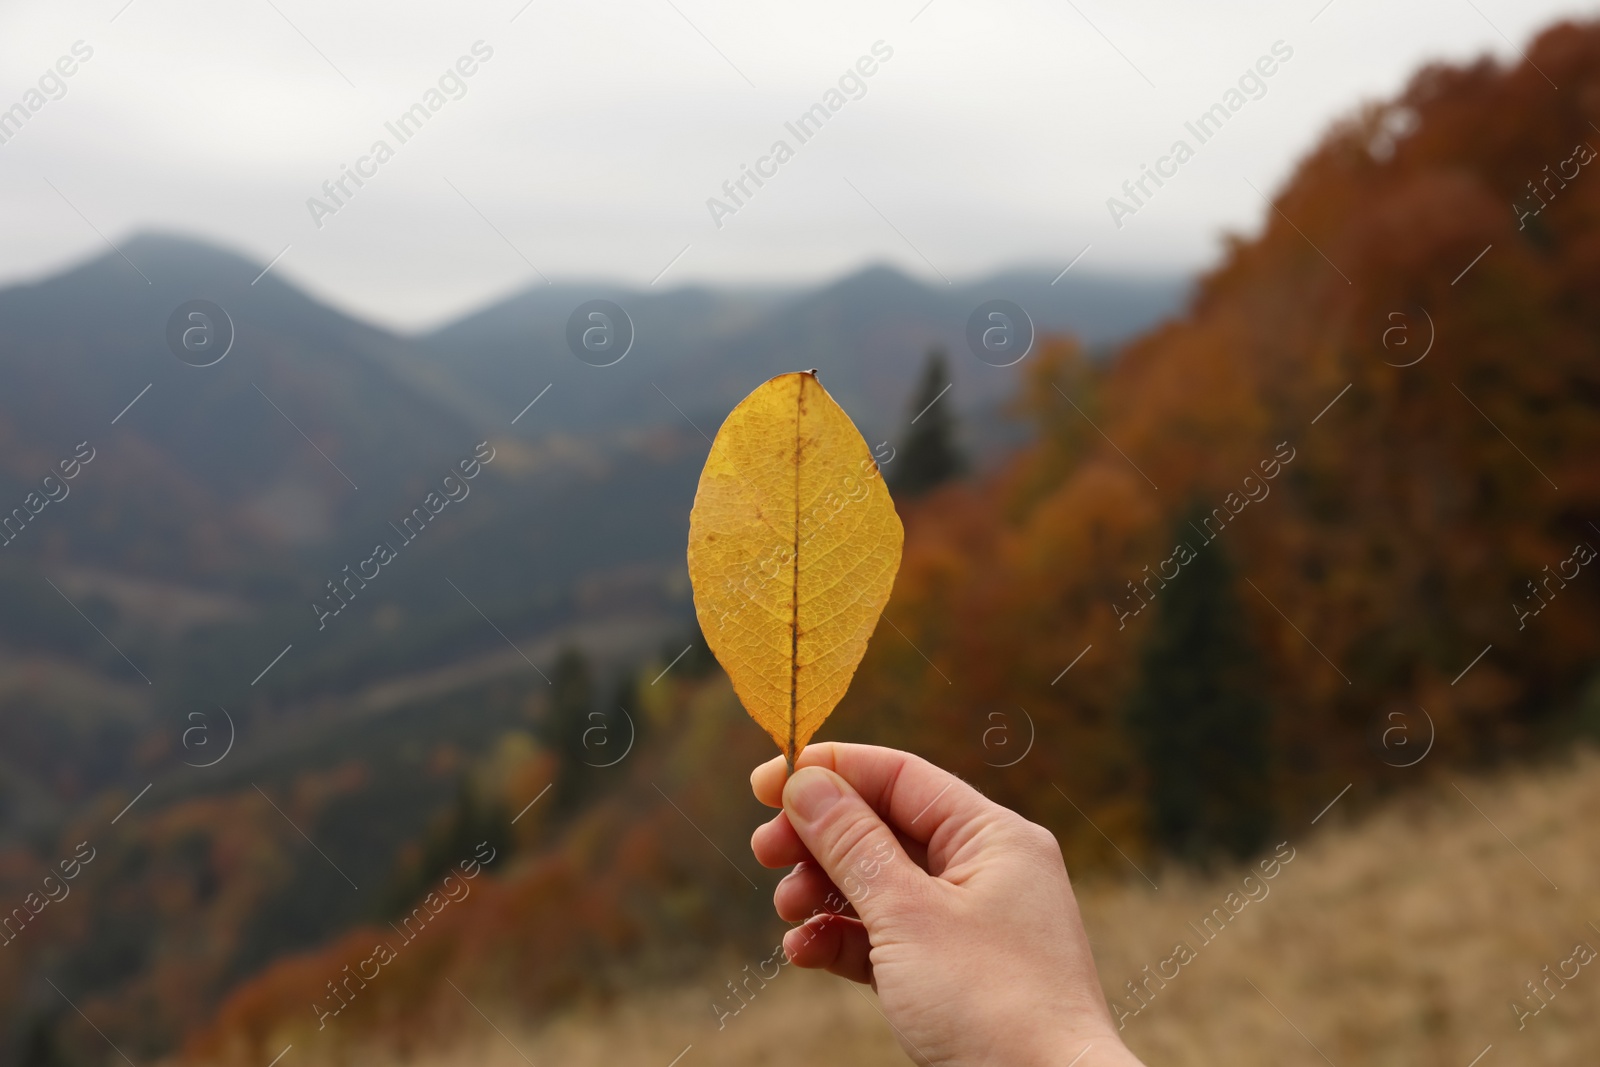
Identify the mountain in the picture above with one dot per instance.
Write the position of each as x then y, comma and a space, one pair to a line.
211, 465
315, 422
216, 506
866, 333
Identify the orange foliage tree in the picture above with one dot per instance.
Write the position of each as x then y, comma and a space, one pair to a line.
1424, 494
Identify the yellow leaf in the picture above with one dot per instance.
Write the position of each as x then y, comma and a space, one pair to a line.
793, 548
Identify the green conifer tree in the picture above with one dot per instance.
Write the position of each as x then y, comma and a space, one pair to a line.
452, 836
1197, 718
930, 455
572, 699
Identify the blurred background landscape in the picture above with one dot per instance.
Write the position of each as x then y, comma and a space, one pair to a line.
1373, 424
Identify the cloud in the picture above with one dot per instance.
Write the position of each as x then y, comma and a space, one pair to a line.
587, 147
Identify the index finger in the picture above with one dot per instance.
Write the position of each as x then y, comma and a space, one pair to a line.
912, 795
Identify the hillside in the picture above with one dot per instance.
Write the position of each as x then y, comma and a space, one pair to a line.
1298, 510
1396, 940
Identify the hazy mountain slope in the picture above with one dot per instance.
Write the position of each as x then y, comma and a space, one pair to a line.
204, 493
867, 333
204, 467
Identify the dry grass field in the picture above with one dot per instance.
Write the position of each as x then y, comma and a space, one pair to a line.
1401, 938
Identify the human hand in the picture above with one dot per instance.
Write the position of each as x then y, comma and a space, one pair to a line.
958, 911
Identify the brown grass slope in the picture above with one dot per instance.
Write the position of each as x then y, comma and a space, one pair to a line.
1400, 940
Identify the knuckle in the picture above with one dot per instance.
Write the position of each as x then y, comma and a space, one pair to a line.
857, 857
1036, 840
852, 839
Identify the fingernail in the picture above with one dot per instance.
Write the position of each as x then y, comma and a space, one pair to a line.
810, 793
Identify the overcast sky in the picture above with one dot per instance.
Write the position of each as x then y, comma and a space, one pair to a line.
588, 143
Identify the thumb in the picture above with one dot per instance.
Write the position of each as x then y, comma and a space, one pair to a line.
850, 842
